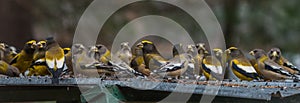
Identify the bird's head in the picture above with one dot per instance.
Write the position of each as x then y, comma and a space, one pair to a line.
101, 49
78, 49
30, 46
41, 44
138, 49
234, 52
139, 45
148, 47
125, 46
201, 48
3, 46
218, 52
191, 48
274, 53
257, 53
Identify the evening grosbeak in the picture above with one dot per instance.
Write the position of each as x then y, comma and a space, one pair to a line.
268, 68
240, 65
55, 59
276, 55
24, 59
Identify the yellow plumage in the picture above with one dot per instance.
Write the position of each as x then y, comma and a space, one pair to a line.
39, 69
24, 59
268, 68
55, 59
240, 65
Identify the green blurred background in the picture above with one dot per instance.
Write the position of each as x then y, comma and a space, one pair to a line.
246, 24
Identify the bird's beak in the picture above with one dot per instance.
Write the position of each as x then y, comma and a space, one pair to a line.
251, 53
33, 45
140, 45
40, 45
274, 54
227, 51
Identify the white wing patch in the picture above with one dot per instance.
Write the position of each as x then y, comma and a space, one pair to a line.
50, 63
60, 62
248, 69
215, 69
39, 61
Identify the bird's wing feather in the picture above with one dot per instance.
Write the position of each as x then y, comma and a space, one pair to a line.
50, 63
14, 60
60, 62
270, 65
244, 68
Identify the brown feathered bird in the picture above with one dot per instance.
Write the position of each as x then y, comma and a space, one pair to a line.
275, 54
268, 68
55, 59
138, 62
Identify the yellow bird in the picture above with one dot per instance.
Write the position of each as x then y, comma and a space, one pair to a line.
39, 50
268, 68
24, 59
178, 65
153, 60
210, 65
241, 66
8, 70
81, 58
55, 59
276, 55
39, 67
137, 63
100, 53
212, 68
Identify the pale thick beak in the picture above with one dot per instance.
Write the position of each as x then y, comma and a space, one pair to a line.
251, 53
275, 54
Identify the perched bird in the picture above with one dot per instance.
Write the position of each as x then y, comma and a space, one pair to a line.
178, 65
100, 53
24, 59
38, 66
201, 52
137, 62
68, 56
86, 64
55, 59
8, 70
219, 54
240, 65
39, 50
105, 56
193, 52
210, 65
7, 53
153, 60
201, 48
276, 55
268, 68
124, 53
